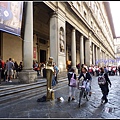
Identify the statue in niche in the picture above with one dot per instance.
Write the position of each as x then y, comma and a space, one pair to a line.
62, 47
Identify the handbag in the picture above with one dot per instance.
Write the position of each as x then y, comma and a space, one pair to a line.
72, 81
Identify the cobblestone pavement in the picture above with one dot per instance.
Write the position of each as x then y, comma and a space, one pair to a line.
30, 108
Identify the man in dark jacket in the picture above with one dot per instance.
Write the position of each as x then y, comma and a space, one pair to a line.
104, 88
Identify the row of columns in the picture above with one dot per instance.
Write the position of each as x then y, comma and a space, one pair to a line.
28, 44
91, 55
28, 73
83, 59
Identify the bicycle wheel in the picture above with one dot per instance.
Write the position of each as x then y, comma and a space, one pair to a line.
80, 96
87, 96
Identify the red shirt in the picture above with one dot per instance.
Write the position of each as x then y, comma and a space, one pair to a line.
3, 63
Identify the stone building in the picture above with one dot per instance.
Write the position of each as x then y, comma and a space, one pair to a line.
117, 50
78, 31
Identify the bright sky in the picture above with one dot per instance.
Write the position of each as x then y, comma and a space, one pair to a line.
115, 5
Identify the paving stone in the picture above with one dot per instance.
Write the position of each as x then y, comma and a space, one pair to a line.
30, 108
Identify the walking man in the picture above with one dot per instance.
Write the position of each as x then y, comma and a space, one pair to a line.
9, 68
56, 71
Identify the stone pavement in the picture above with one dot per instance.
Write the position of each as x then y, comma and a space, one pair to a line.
30, 108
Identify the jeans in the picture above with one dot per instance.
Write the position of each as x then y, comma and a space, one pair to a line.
105, 91
87, 85
72, 91
56, 78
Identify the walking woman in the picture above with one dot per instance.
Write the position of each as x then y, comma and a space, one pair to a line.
71, 88
104, 87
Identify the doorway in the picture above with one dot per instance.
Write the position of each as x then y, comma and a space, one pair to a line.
42, 56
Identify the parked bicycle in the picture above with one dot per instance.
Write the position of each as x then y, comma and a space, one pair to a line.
83, 91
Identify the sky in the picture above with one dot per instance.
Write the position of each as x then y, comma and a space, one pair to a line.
114, 6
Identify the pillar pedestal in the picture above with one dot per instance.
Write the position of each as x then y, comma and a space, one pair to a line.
27, 76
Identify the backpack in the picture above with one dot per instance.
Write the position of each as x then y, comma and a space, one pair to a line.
101, 80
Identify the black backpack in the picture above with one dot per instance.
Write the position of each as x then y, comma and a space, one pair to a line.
101, 80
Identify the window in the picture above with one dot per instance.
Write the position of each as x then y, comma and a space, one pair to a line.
97, 31
91, 24
42, 41
95, 28
85, 15
78, 6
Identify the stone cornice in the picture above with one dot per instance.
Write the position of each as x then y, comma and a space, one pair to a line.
101, 30
108, 11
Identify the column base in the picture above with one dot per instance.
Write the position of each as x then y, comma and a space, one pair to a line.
27, 76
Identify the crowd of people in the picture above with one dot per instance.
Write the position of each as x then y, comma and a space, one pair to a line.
41, 71
9, 69
86, 73
110, 70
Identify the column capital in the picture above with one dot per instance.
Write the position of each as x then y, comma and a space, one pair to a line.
89, 34
81, 36
73, 29
54, 14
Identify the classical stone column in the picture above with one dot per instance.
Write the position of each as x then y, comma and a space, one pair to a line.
67, 55
28, 75
100, 57
54, 37
58, 40
96, 54
88, 52
104, 58
107, 59
73, 48
81, 49
93, 52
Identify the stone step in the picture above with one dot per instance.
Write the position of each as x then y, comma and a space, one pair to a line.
16, 94
10, 87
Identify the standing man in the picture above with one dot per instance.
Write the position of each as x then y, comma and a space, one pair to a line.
9, 68
56, 71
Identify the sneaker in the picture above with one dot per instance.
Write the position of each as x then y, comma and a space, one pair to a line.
90, 93
6, 80
106, 101
84, 95
73, 98
102, 101
69, 99
10, 81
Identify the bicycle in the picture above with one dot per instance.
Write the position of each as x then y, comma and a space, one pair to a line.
83, 92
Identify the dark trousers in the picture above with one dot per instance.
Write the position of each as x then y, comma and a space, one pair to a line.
109, 72
5, 75
105, 92
56, 78
0, 76
97, 73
